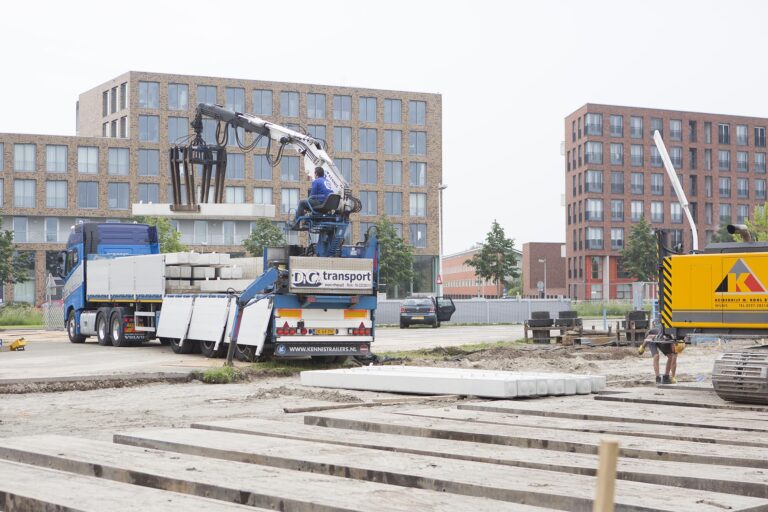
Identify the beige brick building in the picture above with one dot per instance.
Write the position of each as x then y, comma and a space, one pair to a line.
388, 144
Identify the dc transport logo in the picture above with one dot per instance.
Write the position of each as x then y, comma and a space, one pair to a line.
281, 350
307, 279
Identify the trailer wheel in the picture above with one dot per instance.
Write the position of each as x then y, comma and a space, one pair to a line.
72, 329
102, 330
181, 349
246, 353
330, 359
164, 341
207, 349
117, 330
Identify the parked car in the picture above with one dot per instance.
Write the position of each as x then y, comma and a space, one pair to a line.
426, 310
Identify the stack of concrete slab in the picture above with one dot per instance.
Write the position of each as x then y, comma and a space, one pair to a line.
458, 381
205, 272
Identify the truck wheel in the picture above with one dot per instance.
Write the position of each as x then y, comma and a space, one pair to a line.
117, 330
181, 349
102, 330
72, 329
206, 348
246, 353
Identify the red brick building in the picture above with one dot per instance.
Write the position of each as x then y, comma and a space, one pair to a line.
614, 176
544, 262
460, 281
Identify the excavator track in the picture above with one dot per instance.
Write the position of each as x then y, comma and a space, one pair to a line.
742, 376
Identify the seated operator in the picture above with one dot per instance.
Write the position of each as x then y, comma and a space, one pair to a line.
317, 195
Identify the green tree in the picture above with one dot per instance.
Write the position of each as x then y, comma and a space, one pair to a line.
264, 234
496, 261
722, 234
13, 263
639, 258
758, 225
395, 256
170, 239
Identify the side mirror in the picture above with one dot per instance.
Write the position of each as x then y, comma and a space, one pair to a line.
61, 263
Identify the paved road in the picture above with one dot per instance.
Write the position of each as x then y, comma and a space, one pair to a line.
50, 355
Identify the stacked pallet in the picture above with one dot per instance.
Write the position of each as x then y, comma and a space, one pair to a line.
192, 272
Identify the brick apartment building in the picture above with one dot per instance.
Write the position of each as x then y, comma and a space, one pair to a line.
388, 144
614, 176
460, 280
544, 262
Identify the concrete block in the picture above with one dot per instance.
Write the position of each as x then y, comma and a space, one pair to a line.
222, 211
177, 258
203, 272
229, 272
221, 286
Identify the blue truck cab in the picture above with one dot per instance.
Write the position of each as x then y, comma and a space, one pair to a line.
86, 242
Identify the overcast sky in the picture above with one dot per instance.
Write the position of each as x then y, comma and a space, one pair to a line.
509, 72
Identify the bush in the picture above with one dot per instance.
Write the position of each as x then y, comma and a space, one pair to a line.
221, 375
20, 314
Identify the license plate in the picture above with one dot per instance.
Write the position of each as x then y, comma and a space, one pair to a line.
417, 318
325, 331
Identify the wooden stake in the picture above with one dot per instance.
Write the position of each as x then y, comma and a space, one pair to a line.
606, 476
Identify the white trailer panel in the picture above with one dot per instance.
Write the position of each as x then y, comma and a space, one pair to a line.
174, 316
209, 318
253, 327
126, 278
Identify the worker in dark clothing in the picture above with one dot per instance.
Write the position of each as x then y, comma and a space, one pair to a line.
317, 195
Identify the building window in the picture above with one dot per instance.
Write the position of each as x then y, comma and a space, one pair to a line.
118, 196
344, 165
418, 235
707, 159
234, 99
393, 172
760, 136
692, 158
228, 232
24, 193
200, 232
177, 129
657, 125
2, 192
657, 211
417, 143
708, 186
105, 103
113, 129
593, 153
725, 214
675, 213
317, 131
367, 140
149, 193
724, 160
617, 126
178, 97
149, 95
236, 136
261, 168
367, 109
262, 195
657, 184
636, 183
20, 230
593, 124
725, 187
206, 94
594, 238
418, 174
2, 156
149, 162
636, 155
418, 204
369, 200
617, 182
342, 108
55, 158
289, 200
636, 127
693, 190
55, 194
594, 181
675, 129
24, 157
742, 188
617, 154
742, 161
392, 142
368, 172
236, 165
742, 139
51, 229
594, 209
87, 194
262, 102
676, 156
393, 111
149, 128
417, 113
708, 213
315, 106
289, 104
234, 195
742, 214
393, 203
124, 127
723, 133
760, 162
759, 189
617, 210
118, 161
656, 157
342, 139
617, 239
692, 135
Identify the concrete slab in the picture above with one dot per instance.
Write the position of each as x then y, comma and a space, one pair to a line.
669, 395
224, 211
630, 412
521, 485
236, 482
708, 477
30, 488
552, 439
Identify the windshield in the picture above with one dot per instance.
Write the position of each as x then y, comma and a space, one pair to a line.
417, 302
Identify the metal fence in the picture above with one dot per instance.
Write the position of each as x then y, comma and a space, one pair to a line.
482, 311
53, 315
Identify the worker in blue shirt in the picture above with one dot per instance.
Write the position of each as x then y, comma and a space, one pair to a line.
317, 195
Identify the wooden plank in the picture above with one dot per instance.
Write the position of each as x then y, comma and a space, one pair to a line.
697, 434
250, 484
552, 439
708, 477
520, 485
28, 488
606, 476
633, 413
680, 397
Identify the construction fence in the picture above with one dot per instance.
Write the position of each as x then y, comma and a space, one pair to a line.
482, 311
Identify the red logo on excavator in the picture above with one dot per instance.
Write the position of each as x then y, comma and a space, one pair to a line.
740, 279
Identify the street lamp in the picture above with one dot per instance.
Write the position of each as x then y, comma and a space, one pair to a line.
440, 188
544, 261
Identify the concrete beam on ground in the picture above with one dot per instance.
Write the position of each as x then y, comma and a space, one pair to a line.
706, 399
